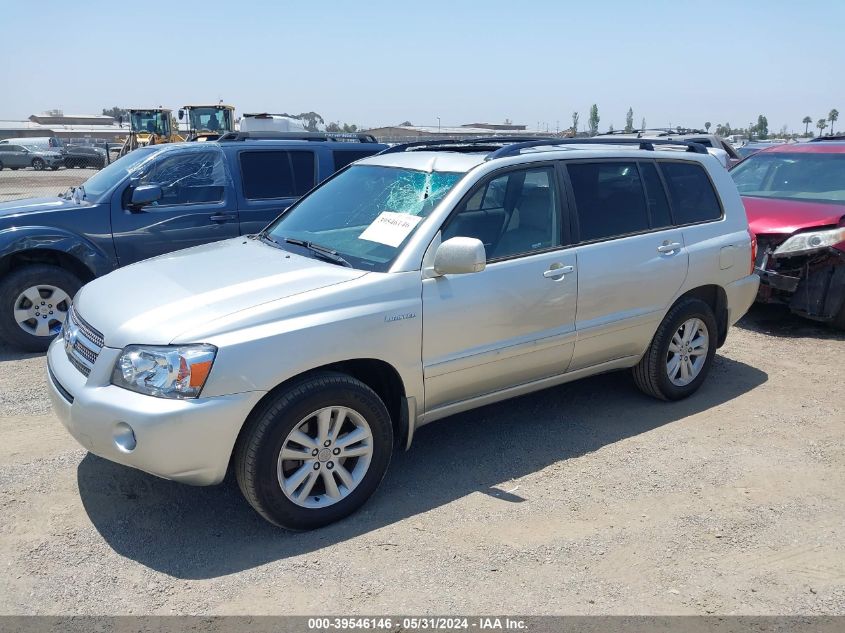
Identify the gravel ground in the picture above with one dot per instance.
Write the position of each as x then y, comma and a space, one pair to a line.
583, 499
28, 183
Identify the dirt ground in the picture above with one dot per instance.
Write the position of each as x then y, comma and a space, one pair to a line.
28, 183
583, 499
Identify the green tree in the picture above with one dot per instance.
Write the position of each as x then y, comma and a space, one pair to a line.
575, 118
629, 121
406, 124
594, 120
762, 127
821, 124
833, 117
116, 113
311, 120
610, 130
707, 125
806, 121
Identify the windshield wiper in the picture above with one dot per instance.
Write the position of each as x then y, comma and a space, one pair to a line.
266, 238
320, 251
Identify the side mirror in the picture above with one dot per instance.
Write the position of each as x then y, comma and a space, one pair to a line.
460, 255
181, 114
143, 195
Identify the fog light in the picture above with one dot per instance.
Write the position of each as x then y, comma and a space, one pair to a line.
124, 437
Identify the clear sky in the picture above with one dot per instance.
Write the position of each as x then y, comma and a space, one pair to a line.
380, 62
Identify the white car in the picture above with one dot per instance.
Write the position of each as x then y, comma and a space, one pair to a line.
430, 279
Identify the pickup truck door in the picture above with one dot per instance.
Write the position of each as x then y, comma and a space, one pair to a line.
270, 180
197, 205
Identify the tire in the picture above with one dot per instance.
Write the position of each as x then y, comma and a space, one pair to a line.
55, 167
43, 277
839, 320
258, 461
1, 165
652, 373
37, 164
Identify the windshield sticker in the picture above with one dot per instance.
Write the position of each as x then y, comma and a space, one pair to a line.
390, 228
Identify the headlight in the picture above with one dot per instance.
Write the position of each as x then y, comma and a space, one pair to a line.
165, 372
810, 241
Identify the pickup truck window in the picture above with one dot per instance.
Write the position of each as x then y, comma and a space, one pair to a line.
337, 214
187, 177
276, 174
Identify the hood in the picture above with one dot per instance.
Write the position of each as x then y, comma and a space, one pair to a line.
779, 216
36, 205
152, 302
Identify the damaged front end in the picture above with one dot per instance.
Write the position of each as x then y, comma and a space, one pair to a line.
805, 271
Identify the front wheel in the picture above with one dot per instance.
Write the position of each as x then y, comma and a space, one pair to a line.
34, 302
315, 452
37, 164
681, 352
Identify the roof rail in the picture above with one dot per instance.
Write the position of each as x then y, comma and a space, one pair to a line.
299, 136
642, 143
464, 142
829, 137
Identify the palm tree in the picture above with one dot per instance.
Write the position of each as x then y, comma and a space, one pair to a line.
807, 120
832, 117
707, 125
821, 124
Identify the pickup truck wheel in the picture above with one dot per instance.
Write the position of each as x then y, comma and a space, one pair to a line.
34, 302
315, 452
681, 352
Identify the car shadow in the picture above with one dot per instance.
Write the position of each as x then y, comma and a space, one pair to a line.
777, 320
196, 533
8, 353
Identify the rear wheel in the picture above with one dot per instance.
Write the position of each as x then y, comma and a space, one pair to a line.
314, 453
681, 352
37, 164
1, 165
34, 302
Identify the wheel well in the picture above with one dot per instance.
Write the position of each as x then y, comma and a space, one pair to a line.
45, 256
717, 299
378, 375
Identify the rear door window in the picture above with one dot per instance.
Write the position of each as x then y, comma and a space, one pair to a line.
276, 174
691, 193
658, 204
609, 198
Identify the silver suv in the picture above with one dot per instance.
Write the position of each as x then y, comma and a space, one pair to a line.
430, 279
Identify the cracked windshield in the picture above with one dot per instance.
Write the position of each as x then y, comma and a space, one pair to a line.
366, 213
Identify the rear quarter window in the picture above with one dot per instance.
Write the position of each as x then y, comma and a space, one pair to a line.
691, 193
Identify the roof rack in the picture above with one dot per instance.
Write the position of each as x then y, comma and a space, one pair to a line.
513, 146
299, 136
829, 137
642, 143
468, 143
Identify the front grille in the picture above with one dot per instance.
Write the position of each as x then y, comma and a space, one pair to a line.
82, 342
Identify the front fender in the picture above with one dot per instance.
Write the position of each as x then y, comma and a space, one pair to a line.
21, 239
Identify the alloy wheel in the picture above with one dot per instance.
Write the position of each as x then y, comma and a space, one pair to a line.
41, 310
325, 457
687, 352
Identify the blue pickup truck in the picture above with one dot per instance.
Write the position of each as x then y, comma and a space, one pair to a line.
152, 201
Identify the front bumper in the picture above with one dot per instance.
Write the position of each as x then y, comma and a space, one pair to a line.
189, 441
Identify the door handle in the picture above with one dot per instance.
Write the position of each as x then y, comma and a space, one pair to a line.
222, 217
669, 247
558, 272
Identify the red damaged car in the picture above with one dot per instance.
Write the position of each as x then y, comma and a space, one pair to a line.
794, 197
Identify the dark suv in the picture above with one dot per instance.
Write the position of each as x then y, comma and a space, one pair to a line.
152, 201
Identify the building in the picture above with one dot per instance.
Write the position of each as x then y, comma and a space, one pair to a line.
72, 128
56, 118
408, 133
